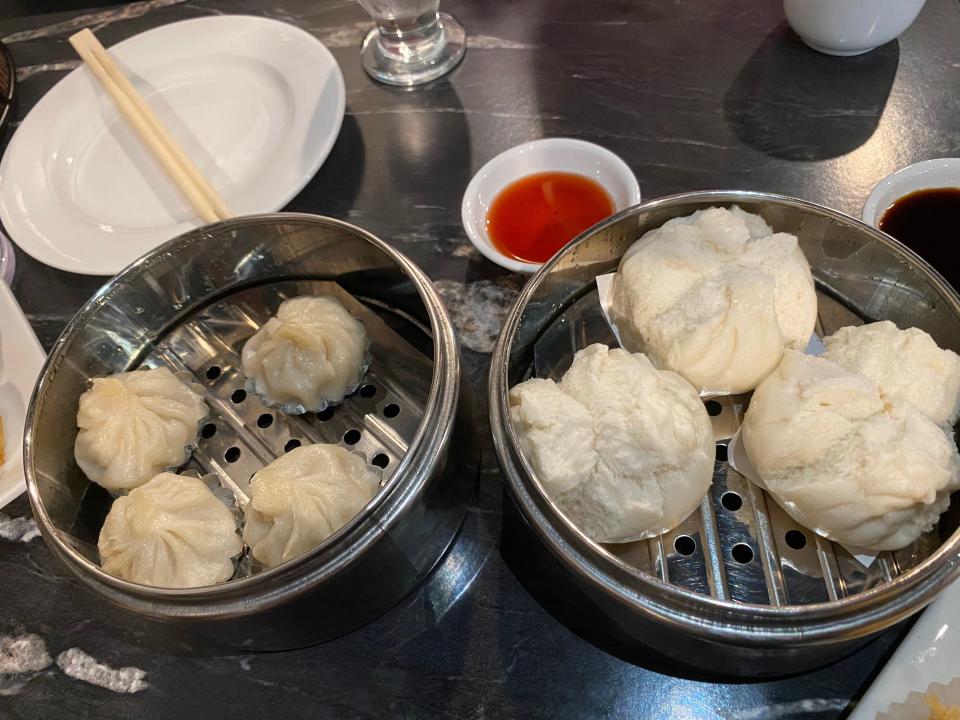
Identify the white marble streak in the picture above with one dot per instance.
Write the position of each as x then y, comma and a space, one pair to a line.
207, 10
663, 139
81, 666
350, 36
27, 71
49, 317
19, 529
488, 42
23, 654
346, 36
22, 658
453, 110
93, 20
479, 308
792, 709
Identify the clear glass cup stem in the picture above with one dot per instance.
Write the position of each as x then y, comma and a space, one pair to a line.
412, 42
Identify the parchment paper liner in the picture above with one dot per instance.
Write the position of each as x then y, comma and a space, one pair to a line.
917, 705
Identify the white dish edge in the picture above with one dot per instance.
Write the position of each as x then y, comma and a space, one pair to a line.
21, 358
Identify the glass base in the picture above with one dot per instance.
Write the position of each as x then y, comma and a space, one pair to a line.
419, 64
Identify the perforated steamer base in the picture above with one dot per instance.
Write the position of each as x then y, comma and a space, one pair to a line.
241, 435
740, 545
192, 303
738, 589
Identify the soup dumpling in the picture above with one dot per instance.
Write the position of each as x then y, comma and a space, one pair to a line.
134, 425
302, 498
308, 356
171, 532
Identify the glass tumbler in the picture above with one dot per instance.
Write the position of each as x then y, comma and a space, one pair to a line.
412, 43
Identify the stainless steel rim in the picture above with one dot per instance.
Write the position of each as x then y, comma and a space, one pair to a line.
263, 590
720, 620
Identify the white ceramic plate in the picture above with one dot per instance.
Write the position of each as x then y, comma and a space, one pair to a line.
21, 358
256, 103
930, 653
546, 155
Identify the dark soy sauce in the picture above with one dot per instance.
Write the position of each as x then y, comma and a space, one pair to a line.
928, 221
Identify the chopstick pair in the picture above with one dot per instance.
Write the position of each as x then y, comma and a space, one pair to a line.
179, 168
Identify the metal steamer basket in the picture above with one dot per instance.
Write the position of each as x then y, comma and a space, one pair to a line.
190, 305
739, 588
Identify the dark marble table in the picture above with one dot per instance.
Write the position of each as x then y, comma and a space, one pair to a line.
694, 94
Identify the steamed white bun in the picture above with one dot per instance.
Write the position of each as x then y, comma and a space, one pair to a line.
905, 364
302, 498
172, 532
309, 354
134, 425
715, 297
843, 460
626, 451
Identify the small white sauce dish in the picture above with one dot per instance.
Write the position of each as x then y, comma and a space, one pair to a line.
850, 27
547, 155
940, 173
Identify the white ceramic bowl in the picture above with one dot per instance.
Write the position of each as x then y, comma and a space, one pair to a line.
943, 172
850, 27
547, 155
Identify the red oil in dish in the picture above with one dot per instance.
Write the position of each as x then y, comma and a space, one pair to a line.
535, 216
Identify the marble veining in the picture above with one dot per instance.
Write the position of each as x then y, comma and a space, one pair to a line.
81, 666
345, 36
456, 111
488, 42
778, 711
27, 71
18, 529
23, 654
94, 21
22, 658
479, 308
466, 250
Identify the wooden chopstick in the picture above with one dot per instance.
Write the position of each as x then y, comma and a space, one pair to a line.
181, 170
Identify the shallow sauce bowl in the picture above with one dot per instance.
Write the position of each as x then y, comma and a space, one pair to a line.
926, 175
548, 155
